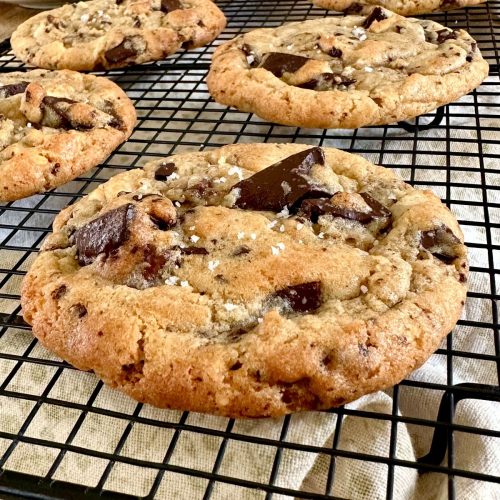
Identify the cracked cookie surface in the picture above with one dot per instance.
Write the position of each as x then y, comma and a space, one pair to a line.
401, 7
346, 72
99, 34
56, 125
249, 281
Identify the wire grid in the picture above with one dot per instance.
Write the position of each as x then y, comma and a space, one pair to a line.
175, 114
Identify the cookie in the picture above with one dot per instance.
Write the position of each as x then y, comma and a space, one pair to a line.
346, 72
56, 125
99, 34
401, 7
249, 281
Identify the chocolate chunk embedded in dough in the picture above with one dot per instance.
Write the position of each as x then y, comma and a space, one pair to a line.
170, 5
122, 51
165, 170
283, 184
301, 298
104, 234
441, 243
377, 14
279, 63
12, 89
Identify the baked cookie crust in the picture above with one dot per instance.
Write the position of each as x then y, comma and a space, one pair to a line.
204, 282
401, 7
346, 72
104, 34
56, 125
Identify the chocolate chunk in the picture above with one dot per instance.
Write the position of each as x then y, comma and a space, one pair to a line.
445, 34
283, 184
79, 309
377, 14
193, 251
326, 81
301, 298
170, 5
250, 55
163, 225
164, 171
12, 89
236, 366
470, 54
57, 107
334, 52
122, 51
279, 63
104, 234
59, 292
154, 263
441, 243
241, 250
313, 209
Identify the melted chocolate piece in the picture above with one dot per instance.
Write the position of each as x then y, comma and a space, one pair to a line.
334, 52
161, 224
377, 14
80, 310
193, 251
104, 234
122, 51
445, 34
279, 63
58, 106
12, 89
326, 81
241, 250
283, 184
170, 5
302, 298
313, 209
154, 263
164, 170
441, 243
59, 292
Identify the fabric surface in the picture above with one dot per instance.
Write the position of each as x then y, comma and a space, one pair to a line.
355, 479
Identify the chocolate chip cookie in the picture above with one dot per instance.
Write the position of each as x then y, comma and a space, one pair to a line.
346, 72
107, 34
55, 125
249, 281
401, 7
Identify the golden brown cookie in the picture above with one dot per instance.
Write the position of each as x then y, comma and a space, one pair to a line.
252, 280
56, 125
346, 72
98, 34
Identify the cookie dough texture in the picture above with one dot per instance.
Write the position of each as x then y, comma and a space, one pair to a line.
401, 7
346, 72
56, 125
99, 34
169, 286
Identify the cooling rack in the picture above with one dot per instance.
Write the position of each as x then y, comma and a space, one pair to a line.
453, 151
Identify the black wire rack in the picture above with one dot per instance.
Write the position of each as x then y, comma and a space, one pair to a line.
46, 425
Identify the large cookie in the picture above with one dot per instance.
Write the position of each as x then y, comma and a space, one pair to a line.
401, 7
115, 33
252, 280
346, 72
55, 125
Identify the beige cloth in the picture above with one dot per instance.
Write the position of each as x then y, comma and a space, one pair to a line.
354, 479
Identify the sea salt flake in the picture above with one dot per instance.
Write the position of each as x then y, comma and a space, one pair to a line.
363, 289
368, 69
213, 264
172, 176
194, 238
253, 236
171, 280
220, 180
275, 250
229, 307
284, 214
84, 18
281, 246
177, 204
321, 235
259, 320
240, 235
299, 226
272, 224
184, 283
192, 228
359, 33
236, 171
282, 228
286, 187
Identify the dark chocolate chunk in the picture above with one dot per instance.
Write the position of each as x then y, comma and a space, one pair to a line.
313, 209
163, 225
470, 54
164, 170
377, 14
283, 184
170, 5
12, 89
441, 243
59, 292
57, 107
154, 262
193, 251
301, 298
279, 63
104, 234
79, 309
236, 366
122, 51
445, 34
241, 250
326, 81
334, 52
